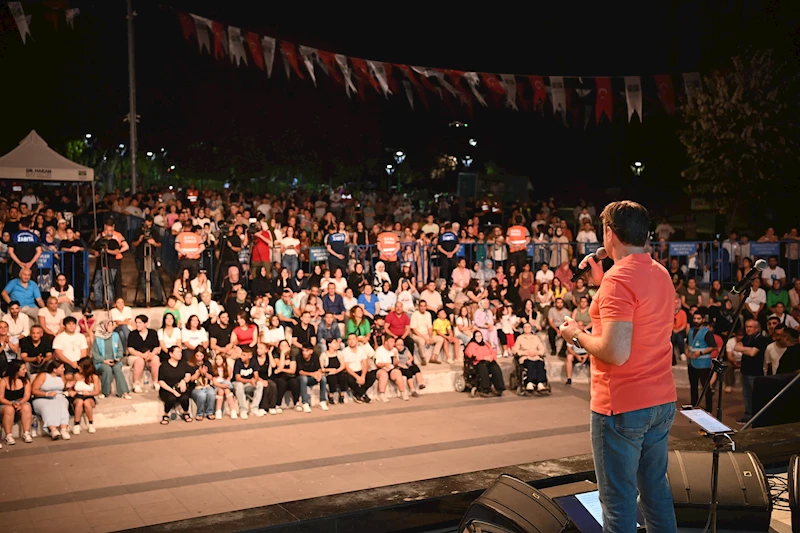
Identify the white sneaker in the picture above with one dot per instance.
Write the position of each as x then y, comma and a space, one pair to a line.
101, 396
55, 435
76, 429
529, 386
156, 387
278, 410
541, 387
243, 415
683, 357
234, 415
27, 437
34, 432
261, 412
65, 434
306, 408
218, 414
382, 397
298, 408
137, 389
10, 440
323, 406
91, 429
405, 396
127, 396
273, 411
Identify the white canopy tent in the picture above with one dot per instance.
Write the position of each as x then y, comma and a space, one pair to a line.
33, 159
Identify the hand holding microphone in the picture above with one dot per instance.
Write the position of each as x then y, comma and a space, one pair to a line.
592, 263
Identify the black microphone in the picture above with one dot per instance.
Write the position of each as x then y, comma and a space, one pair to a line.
598, 256
749, 277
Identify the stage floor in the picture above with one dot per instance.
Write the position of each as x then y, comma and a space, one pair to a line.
136, 476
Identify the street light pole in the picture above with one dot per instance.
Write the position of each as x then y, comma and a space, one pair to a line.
132, 95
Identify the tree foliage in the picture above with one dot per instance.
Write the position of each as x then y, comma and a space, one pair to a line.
741, 131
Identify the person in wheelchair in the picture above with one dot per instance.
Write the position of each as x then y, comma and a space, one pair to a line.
484, 358
528, 349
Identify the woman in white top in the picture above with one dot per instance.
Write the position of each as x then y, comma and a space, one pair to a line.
65, 294
200, 284
274, 334
339, 281
290, 248
51, 317
122, 316
405, 296
465, 329
188, 307
193, 336
169, 335
349, 300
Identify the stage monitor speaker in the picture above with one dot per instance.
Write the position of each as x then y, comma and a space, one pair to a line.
513, 506
793, 476
743, 493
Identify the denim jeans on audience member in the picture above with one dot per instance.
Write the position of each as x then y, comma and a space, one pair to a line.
124, 332
243, 390
630, 451
307, 382
205, 399
290, 263
747, 392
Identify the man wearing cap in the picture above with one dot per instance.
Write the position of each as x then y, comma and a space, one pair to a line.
115, 244
143, 238
190, 247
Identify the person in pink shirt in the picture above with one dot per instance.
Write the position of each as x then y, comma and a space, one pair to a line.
484, 357
461, 275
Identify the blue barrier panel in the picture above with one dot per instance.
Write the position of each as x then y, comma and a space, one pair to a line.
764, 249
682, 248
317, 254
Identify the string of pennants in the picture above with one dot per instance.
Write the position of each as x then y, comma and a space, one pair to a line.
54, 10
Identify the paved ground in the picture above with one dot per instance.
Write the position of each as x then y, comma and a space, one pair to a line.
134, 476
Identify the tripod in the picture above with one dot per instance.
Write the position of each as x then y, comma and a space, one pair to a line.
105, 277
147, 271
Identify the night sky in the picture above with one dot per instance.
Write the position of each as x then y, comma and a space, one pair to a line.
68, 83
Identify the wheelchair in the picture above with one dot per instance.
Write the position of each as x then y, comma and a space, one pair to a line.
517, 382
469, 380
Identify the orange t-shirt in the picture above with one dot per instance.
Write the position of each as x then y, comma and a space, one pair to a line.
679, 321
388, 245
190, 244
636, 289
517, 238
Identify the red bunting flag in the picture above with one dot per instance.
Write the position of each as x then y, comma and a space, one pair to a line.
539, 91
393, 85
187, 25
666, 92
254, 43
604, 103
52, 16
361, 67
219, 39
521, 101
290, 55
329, 60
493, 84
405, 69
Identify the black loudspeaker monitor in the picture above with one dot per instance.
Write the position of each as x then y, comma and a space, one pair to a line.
793, 475
513, 506
744, 497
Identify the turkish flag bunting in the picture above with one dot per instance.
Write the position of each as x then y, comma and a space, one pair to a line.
254, 43
604, 103
493, 84
360, 66
329, 60
666, 91
290, 54
393, 85
187, 24
219, 39
405, 69
521, 101
52, 16
539, 91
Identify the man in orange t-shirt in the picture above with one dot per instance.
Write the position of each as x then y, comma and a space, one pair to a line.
633, 392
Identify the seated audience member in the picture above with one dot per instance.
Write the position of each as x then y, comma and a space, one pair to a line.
484, 358
432, 297
285, 309
208, 310
359, 325
49, 401
201, 389
387, 299
69, 346
245, 333
442, 328
238, 303
224, 387
581, 313
220, 335
19, 324
790, 362
555, 317
15, 396
530, 350
122, 315
328, 330
404, 360
169, 335
51, 317
575, 355
484, 321
246, 384
64, 294
427, 343
143, 350
24, 291
333, 367
779, 312
193, 337
173, 383
385, 356
303, 333
9, 349
269, 399
284, 374
350, 301
36, 350
82, 394
107, 355
398, 323
333, 302
356, 359
369, 302
274, 334
188, 306
172, 309
309, 373
86, 324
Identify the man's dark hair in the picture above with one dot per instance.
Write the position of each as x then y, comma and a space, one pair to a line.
143, 318
13, 303
70, 320
629, 221
308, 346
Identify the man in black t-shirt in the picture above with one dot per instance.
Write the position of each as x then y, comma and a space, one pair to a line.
24, 249
143, 238
115, 244
229, 250
304, 333
36, 349
336, 244
246, 384
752, 348
790, 361
448, 246
220, 335
143, 349
309, 373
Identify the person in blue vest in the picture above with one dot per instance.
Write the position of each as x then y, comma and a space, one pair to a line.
336, 243
448, 246
24, 249
698, 352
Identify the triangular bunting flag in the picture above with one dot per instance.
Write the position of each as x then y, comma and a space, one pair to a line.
220, 42
347, 74
692, 83
473, 81
255, 48
633, 96
509, 82
666, 92
187, 24
19, 17
559, 96
394, 87
377, 70
493, 84
329, 60
236, 46
202, 28
71, 14
268, 49
362, 69
290, 59
539, 91
405, 69
409, 93
307, 54
603, 105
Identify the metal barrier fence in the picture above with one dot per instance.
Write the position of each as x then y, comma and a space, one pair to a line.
74, 265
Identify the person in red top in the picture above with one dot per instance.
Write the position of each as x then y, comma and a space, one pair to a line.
262, 251
484, 357
398, 324
633, 392
388, 247
518, 239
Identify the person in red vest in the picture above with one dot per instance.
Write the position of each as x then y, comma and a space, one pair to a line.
518, 239
388, 248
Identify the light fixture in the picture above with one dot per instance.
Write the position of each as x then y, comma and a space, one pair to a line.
172, 167
399, 156
637, 168
121, 146
473, 143
88, 135
467, 161
390, 169
150, 154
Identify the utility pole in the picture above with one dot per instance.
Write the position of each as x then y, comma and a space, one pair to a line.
132, 95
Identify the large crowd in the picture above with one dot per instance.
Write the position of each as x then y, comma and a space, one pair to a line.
274, 296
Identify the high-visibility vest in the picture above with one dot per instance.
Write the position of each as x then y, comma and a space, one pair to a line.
190, 244
388, 245
517, 238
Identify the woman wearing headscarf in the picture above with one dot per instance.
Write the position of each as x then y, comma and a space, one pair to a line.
484, 357
380, 276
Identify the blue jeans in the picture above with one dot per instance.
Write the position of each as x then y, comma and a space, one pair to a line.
630, 451
205, 399
747, 392
290, 263
308, 381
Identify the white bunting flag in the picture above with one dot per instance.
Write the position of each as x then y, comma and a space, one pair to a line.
473, 81
344, 66
236, 46
509, 81
409, 93
440, 76
558, 96
633, 96
203, 28
692, 83
19, 17
268, 48
378, 71
308, 54
71, 14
